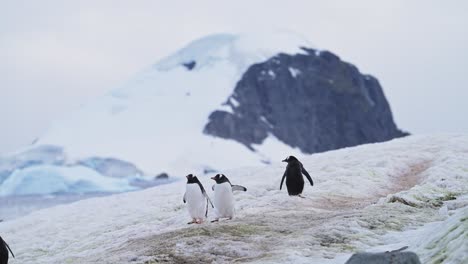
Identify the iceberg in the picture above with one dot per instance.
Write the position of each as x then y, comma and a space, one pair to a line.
51, 179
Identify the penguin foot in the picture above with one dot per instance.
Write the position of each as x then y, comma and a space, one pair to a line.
300, 195
198, 221
230, 218
216, 220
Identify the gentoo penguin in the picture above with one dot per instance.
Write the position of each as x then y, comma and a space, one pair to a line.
197, 199
4, 251
223, 197
293, 175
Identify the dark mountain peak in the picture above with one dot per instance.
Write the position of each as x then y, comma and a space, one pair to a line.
312, 101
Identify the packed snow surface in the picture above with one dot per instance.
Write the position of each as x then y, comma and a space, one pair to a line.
406, 192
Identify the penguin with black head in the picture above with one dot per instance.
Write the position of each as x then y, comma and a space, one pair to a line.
223, 197
197, 200
4, 248
293, 175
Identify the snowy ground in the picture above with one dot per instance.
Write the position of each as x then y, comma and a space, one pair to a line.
411, 191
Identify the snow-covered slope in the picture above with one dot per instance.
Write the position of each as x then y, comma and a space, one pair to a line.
156, 120
406, 192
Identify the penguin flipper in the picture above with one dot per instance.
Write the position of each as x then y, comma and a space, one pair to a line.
307, 175
212, 187
183, 199
282, 180
209, 200
238, 188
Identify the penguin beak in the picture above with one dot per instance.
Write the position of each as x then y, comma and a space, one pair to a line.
213, 178
284, 160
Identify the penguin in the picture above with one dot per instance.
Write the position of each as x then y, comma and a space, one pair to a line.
197, 200
223, 197
4, 248
293, 175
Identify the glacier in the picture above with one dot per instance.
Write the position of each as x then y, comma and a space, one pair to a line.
410, 192
48, 179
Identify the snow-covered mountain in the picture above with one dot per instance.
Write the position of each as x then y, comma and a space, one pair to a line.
376, 197
156, 120
221, 102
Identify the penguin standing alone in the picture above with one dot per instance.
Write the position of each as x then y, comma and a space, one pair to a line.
223, 197
293, 175
4, 251
197, 200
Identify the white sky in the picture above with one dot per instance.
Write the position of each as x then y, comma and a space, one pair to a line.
57, 55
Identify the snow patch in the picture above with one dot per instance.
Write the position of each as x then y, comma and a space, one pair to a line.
234, 102
272, 74
264, 120
294, 72
242, 50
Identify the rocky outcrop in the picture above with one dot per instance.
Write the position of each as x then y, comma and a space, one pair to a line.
313, 101
392, 257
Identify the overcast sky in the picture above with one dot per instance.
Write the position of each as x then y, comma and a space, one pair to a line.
57, 55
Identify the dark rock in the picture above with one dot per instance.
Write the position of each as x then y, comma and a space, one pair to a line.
162, 176
190, 65
312, 101
393, 257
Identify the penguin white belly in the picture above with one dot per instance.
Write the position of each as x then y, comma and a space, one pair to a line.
224, 200
196, 201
